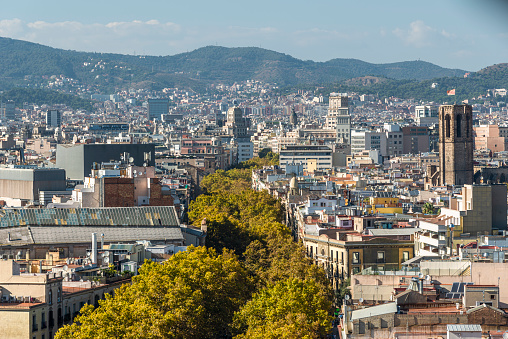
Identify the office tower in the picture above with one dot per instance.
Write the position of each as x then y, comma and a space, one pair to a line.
8, 110
53, 118
157, 107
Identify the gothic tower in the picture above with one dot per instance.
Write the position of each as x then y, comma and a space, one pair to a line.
456, 144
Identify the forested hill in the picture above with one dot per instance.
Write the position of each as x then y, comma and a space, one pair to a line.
204, 65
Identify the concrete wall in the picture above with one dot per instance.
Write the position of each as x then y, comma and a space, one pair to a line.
15, 324
20, 183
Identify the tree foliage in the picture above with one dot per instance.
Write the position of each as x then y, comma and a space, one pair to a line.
41, 97
199, 294
291, 308
192, 295
232, 181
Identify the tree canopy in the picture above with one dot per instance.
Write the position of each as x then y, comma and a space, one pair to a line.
291, 308
192, 295
253, 280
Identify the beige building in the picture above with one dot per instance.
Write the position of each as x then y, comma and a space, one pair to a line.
479, 210
490, 137
338, 117
35, 306
348, 254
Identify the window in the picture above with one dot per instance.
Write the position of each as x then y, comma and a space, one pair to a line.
492, 297
447, 126
356, 270
459, 125
356, 257
380, 256
50, 297
405, 256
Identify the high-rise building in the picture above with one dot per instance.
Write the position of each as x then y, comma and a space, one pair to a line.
236, 125
456, 144
53, 118
157, 107
8, 110
338, 117
426, 115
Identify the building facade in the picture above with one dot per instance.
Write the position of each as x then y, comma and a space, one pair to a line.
338, 117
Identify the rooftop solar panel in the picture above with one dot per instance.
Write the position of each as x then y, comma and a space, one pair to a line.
455, 287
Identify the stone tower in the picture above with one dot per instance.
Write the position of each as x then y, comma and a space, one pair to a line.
456, 144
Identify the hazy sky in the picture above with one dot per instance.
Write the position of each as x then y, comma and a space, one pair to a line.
466, 34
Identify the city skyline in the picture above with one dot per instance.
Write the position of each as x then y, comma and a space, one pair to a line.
468, 35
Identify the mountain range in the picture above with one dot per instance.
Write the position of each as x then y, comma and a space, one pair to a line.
24, 63
208, 64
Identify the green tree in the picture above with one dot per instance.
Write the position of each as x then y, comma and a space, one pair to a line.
264, 152
232, 181
278, 258
428, 208
192, 295
291, 308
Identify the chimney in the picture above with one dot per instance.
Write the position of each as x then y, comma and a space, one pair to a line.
420, 285
93, 256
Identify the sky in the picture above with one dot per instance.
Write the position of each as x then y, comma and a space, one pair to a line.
464, 34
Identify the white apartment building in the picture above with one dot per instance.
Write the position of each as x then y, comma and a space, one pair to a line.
316, 157
426, 115
431, 238
362, 140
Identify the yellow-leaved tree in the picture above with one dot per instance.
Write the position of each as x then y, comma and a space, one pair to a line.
291, 308
192, 295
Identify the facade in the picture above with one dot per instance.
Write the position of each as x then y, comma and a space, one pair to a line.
245, 149
157, 107
35, 306
431, 238
368, 140
416, 139
479, 210
338, 117
456, 144
310, 156
350, 254
236, 125
394, 140
26, 183
108, 128
426, 115
78, 159
53, 118
490, 137
8, 110
127, 187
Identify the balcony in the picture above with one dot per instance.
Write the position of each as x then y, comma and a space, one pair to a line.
44, 325
35, 328
432, 241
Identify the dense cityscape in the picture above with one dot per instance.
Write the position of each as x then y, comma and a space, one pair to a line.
241, 192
